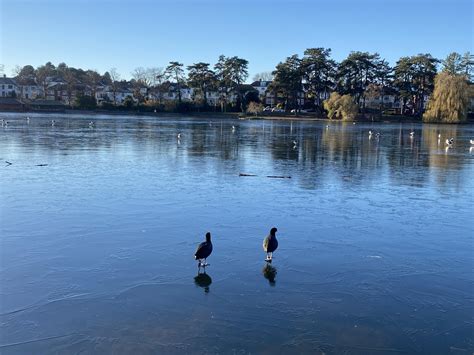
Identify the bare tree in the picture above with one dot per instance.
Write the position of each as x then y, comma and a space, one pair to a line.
156, 77
115, 79
140, 74
264, 76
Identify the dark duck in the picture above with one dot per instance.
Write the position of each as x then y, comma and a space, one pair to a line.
203, 251
270, 244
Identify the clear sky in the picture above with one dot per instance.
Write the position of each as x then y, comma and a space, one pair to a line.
101, 34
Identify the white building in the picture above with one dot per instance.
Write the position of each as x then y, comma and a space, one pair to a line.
30, 90
106, 94
8, 87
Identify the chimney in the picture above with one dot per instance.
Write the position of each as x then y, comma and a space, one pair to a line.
4, 75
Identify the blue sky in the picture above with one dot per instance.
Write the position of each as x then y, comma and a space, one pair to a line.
125, 34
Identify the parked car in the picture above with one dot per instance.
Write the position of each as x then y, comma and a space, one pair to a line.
267, 109
276, 109
298, 111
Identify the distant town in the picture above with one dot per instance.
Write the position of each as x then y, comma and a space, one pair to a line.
362, 85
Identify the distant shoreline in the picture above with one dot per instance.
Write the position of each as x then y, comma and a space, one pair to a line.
227, 115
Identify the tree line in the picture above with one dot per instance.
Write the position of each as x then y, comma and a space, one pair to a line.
364, 75
296, 83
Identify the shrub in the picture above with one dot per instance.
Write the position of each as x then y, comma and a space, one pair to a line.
449, 101
254, 108
342, 107
85, 102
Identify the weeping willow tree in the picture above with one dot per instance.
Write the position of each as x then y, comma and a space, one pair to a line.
341, 107
449, 101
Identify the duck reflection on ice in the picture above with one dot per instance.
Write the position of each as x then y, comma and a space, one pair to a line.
269, 272
203, 280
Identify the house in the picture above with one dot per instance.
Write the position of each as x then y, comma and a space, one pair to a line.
266, 97
171, 93
108, 94
30, 90
270, 98
387, 101
8, 87
261, 86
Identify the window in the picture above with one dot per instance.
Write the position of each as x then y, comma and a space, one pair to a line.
10, 86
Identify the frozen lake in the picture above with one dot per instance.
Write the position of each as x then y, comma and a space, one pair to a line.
99, 226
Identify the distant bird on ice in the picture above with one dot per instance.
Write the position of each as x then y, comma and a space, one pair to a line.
91, 124
203, 251
471, 141
449, 142
53, 122
179, 136
412, 134
295, 144
270, 244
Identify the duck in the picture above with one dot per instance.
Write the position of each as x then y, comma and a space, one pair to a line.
412, 134
295, 144
450, 141
53, 122
233, 128
370, 133
179, 136
91, 124
203, 251
439, 135
471, 141
270, 244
